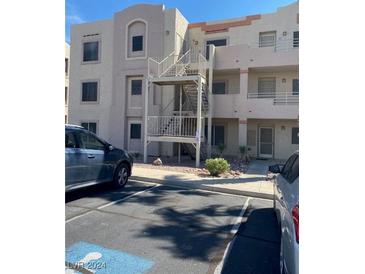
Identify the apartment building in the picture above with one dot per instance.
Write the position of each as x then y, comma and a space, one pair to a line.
195, 85
67, 70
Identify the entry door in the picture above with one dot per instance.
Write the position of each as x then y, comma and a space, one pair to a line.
135, 136
266, 144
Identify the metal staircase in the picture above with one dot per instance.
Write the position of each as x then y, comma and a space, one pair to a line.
192, 98
190, 149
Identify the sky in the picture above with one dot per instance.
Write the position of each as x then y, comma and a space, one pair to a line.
83, 11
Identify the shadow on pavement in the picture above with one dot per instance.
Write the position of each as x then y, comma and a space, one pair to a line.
256, 246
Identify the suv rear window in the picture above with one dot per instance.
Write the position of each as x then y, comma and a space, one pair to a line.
288, 165
294, 171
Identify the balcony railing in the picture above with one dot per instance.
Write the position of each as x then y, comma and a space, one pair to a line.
278, 45
279, 98
174, 126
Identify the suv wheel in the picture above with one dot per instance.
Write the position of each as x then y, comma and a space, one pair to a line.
121, 176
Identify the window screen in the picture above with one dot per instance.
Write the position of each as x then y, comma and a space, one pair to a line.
89, 126
295, 135
136, 87
66, 66
89, 91
266, 87
295, 86
135, 131
219, 88
267, 39
137, 43
91, 51
217, 43
296, 39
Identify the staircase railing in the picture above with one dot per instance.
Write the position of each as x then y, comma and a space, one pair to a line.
184, 126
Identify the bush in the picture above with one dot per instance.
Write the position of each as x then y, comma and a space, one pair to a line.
216, 166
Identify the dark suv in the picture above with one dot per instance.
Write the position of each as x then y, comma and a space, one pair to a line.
90, 160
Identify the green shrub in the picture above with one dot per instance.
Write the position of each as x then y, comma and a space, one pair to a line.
216, 166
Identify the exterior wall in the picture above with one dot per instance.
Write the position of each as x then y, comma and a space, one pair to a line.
230, 136
283, 146
67, 56
101, 71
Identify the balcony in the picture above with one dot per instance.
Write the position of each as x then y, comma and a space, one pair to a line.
276, 105
172, 128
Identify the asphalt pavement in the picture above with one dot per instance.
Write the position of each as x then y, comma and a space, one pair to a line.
151, 228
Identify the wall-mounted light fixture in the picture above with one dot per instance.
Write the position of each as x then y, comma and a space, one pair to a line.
284, 33
283, 80
167, 32
282, 127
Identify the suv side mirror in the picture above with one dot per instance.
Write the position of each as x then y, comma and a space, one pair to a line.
275, 169
110, 147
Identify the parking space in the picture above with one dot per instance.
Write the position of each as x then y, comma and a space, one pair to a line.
151, 228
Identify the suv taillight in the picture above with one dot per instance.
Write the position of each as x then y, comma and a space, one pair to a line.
295, 214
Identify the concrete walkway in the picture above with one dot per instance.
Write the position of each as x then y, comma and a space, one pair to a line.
252, 184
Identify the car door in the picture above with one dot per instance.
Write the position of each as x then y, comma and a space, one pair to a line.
75, 168
94, 153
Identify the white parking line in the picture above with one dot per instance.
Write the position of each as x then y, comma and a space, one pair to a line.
239, 218
234, 229
111, 203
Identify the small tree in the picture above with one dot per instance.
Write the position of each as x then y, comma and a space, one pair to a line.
221, 148
243, 151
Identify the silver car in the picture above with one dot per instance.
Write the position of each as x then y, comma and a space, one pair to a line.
286, 204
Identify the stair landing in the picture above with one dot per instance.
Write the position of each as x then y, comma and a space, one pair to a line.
177, 80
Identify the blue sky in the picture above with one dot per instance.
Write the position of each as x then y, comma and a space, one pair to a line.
82, 11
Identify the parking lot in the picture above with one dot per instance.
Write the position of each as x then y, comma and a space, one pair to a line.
151, 228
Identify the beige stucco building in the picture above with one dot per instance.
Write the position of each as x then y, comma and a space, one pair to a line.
196, 85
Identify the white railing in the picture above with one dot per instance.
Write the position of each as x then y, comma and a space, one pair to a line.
279, 98
278, 45
191, 62
172, 126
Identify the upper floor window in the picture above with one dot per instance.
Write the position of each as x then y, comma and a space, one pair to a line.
217, 43
219, 87
136, 131
89, 91
266, 87
137, 43
296, 39
295, 87
136, 87
90, 126
66, 66
91, 51
267, 39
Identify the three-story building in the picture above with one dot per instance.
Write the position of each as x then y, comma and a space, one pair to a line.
196, 86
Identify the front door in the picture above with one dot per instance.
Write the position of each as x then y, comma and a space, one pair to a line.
266, 144
135, 136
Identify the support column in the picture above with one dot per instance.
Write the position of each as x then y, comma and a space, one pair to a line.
198, 122
210, 100
145, 121
180, 112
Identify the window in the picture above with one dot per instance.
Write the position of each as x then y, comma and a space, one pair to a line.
90, 126
89, 141
219, 87
296, 39
217, 134
137, 43
217, 43
65, 119
266, 87
70, 140
295, 86
65, 95
136, 86
66, 66
135, 131
288, 165
295, 135
89, 91
91, 51
267, 39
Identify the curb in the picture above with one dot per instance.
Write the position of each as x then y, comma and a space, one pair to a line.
205, 187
